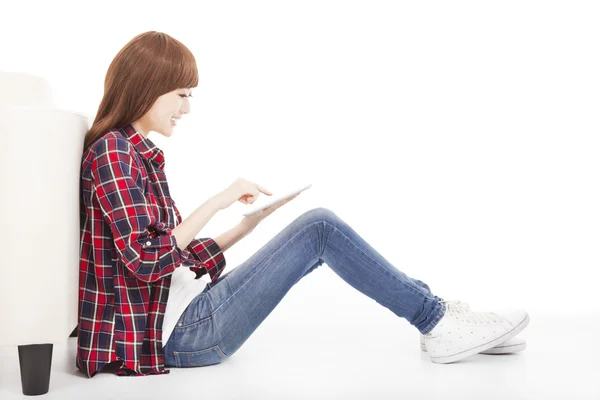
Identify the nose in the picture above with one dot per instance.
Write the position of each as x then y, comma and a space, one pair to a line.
186, 107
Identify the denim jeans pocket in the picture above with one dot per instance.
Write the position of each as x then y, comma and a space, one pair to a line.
209, 356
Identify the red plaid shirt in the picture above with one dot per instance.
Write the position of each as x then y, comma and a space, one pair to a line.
127, 255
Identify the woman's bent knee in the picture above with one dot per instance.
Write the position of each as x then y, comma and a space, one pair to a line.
318, 214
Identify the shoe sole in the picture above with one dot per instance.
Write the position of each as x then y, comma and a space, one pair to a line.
513, 348
466, 353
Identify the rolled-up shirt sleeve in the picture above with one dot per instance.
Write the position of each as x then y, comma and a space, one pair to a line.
145, 248
207, 251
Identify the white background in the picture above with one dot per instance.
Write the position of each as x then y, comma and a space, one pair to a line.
460, 139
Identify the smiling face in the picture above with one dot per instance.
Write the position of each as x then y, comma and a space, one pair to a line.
165, 113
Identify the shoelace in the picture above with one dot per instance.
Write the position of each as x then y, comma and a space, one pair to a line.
461, 308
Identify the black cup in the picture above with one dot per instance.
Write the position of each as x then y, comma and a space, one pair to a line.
35, 361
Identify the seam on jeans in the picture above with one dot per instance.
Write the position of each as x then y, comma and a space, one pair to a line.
182, 316
416, 291
326, 240
265, 262
432, 324
188, 354
193, 323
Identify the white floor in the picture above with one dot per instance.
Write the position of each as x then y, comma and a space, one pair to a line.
355, 351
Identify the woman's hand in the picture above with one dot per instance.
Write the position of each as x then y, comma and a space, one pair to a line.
251, 221
241, 190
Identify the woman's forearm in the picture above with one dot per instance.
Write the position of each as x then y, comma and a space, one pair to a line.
192, 225
231, 237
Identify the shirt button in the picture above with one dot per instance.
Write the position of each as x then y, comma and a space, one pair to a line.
181, 323
148, 243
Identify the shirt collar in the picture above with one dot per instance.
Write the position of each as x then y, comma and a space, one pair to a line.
144, 146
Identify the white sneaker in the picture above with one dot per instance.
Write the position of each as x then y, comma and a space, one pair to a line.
461, 332
513, 345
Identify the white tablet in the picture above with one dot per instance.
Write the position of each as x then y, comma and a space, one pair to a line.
270, 200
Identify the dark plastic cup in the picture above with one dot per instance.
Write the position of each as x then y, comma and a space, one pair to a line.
36, 362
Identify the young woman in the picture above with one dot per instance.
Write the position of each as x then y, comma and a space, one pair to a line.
141, 304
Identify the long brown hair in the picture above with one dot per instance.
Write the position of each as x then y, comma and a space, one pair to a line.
150, 65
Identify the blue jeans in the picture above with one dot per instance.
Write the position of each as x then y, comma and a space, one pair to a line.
221, 318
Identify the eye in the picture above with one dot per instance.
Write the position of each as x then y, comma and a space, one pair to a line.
183, 95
